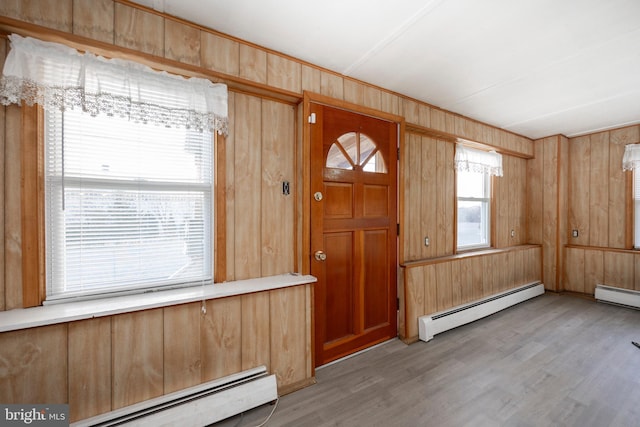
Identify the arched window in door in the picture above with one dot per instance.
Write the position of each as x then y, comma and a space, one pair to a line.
355, 151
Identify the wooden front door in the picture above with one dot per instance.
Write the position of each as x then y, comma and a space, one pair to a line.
353, 231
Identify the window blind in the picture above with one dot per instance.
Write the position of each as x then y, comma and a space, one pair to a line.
128, 205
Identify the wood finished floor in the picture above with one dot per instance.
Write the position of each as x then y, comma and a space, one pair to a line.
555, 360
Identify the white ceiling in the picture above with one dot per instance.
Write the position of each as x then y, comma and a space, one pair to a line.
534, 67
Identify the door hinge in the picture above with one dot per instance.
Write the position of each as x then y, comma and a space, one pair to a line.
397, 303
312, 118
398, 153
397, 229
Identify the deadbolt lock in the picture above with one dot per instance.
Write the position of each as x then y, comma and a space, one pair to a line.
317, 196
320, 256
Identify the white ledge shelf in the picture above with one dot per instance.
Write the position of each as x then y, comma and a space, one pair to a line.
22, 318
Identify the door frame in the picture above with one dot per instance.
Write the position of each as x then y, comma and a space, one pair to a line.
305, 261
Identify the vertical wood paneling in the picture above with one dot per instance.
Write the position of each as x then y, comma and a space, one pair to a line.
593, 270
411, 111
445, 198
94, 19
230, 192
331, 85
430, 289
563, 195
3, 158
353, 92
458, 287
220, 54
372, 97
428, 187
139, 30
181, 42
284, 73
288, 349
277, 208
617, 185
414, 299
222, 338
256, 327
253, 64
89, 367
247, 184
619, 269
412, 196
13, 214
599, 190
444, 291
535, 193
54, 14
575, 270
33, 365
550, 212
390, 103
182, 353
310, 79
137, 357
579, 188
636, 262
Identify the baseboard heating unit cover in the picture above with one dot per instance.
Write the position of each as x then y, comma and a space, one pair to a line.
619, 296
433, 324
200, 405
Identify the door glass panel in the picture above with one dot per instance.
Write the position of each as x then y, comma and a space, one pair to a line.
354, 148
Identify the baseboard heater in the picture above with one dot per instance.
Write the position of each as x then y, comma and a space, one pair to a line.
200, 405
626, 297
433, 324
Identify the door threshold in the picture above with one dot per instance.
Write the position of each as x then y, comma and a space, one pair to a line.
364, 350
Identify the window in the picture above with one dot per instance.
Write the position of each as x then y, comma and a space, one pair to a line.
128, 205
128, 170
474, 201
355, 150
474, 170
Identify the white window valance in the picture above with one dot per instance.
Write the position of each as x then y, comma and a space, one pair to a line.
631, 158
472, 160
59, 77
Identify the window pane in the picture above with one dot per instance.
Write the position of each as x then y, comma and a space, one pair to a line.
636, 198
129, 205
472, 223
472, 184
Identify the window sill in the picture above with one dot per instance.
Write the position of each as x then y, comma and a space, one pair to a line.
23, 318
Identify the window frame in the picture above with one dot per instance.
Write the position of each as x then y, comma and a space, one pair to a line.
489, 208
32, 200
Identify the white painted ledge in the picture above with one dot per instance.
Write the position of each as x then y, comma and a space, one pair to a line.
22, 318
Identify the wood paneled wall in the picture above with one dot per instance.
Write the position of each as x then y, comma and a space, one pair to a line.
106, 363
600, 200
547, 175
440, 284
262, 150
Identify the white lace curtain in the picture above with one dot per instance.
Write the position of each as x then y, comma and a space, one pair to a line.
59, 77
631, 158
472, 160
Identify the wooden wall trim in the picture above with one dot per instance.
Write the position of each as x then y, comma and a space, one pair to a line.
604, 249
238, 84
449, 137
32, 200
470, 254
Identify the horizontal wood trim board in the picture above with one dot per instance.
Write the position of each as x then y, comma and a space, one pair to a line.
604, 249
420, 263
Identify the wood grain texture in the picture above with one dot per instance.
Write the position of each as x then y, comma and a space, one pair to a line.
390, 103
33, 365
599, 190
222, 338
444, 289
247, 186
413, 196
89, 368
56, 14
13, 210
353, 92
94, 19
310, 79
230, 192
331, 85
3, 145
277, 209
618, 226
535, 193
619, 269
550, 214
253, 64
593, 270
425, 180
414, 299
288, 336
256, 331
137, 357
580, 188
284, 73
139, 30
182, 346
182, 42
372, 97
220, 53
575, 270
